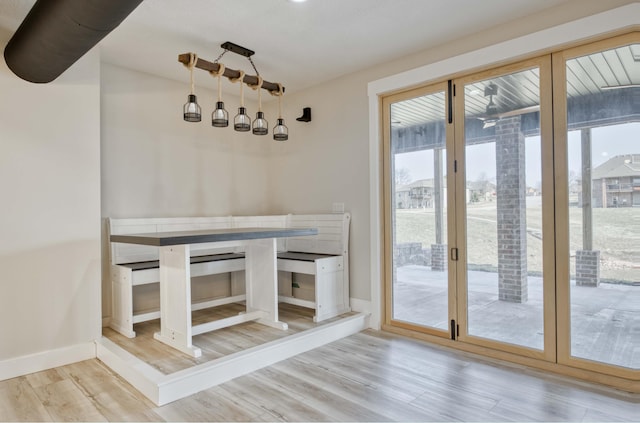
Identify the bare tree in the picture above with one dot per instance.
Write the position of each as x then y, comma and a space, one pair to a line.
402, 176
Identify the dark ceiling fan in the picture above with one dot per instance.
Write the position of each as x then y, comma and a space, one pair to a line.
492, 116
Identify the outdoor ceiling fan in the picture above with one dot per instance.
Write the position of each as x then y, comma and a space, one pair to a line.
492, 116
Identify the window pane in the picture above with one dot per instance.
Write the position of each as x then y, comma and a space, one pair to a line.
604, 201
420, 282
504, 209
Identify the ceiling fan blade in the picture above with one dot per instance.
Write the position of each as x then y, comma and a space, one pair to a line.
509, 113
492, 120
521, 111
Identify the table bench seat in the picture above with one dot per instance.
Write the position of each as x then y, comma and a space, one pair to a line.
155, 264
295, 255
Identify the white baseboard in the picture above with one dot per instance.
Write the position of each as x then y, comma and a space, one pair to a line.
360, 306
38, 362
365, 306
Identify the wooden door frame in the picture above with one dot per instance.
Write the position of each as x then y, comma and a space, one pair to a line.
543, 63
388, 204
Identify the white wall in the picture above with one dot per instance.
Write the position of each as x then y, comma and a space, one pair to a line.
50, 212
326, 161
154, 164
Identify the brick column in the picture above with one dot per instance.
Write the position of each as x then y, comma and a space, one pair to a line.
438, 257
511, 205
588, 268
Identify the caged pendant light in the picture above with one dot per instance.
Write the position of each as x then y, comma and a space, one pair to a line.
260, 124
242, 121
219, 117
191, 111
280, 131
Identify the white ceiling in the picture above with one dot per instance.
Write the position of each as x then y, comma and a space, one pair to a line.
297, 44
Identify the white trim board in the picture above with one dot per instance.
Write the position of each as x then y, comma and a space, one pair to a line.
46, 360
139, 374
163, 389
601, 23
361, 306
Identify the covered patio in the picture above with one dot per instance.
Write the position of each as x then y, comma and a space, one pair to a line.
605, 320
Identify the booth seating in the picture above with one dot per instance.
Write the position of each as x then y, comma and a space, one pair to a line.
324, 256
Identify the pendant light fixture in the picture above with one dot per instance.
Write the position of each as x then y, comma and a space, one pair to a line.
191, 110
280, 131
242, 121
260, 124
219, 117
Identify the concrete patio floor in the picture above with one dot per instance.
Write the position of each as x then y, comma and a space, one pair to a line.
605, 321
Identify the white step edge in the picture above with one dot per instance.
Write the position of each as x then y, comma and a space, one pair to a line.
162, 389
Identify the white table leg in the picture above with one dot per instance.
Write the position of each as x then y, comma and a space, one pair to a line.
262, 280
175, 299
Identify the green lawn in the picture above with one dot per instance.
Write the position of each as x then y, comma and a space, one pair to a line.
616, 233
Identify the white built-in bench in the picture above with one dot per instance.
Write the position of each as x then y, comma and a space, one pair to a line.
324, 256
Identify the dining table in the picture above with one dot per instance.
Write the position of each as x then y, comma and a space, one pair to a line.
261, 279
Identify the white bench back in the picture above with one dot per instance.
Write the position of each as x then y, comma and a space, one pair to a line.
332, 238
271, 221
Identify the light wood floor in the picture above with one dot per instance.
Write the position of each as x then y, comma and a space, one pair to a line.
217, 343
370, 376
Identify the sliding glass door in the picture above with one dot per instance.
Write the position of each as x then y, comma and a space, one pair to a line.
512, 210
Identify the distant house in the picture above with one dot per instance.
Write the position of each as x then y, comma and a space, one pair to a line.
421, 194
416, 195
616, 182
480, 191
533, 192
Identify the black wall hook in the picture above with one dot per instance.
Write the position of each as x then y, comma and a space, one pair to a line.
306, 115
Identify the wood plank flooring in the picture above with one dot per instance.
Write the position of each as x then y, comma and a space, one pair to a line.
370, 376
214, 344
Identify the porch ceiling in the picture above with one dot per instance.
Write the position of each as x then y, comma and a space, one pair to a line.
518, 93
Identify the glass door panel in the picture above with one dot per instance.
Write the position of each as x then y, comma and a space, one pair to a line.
418, 209
603, 169
503, 198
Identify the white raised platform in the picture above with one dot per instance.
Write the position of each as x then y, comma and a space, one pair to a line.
164, 388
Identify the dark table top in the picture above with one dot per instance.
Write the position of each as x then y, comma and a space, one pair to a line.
160, 239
